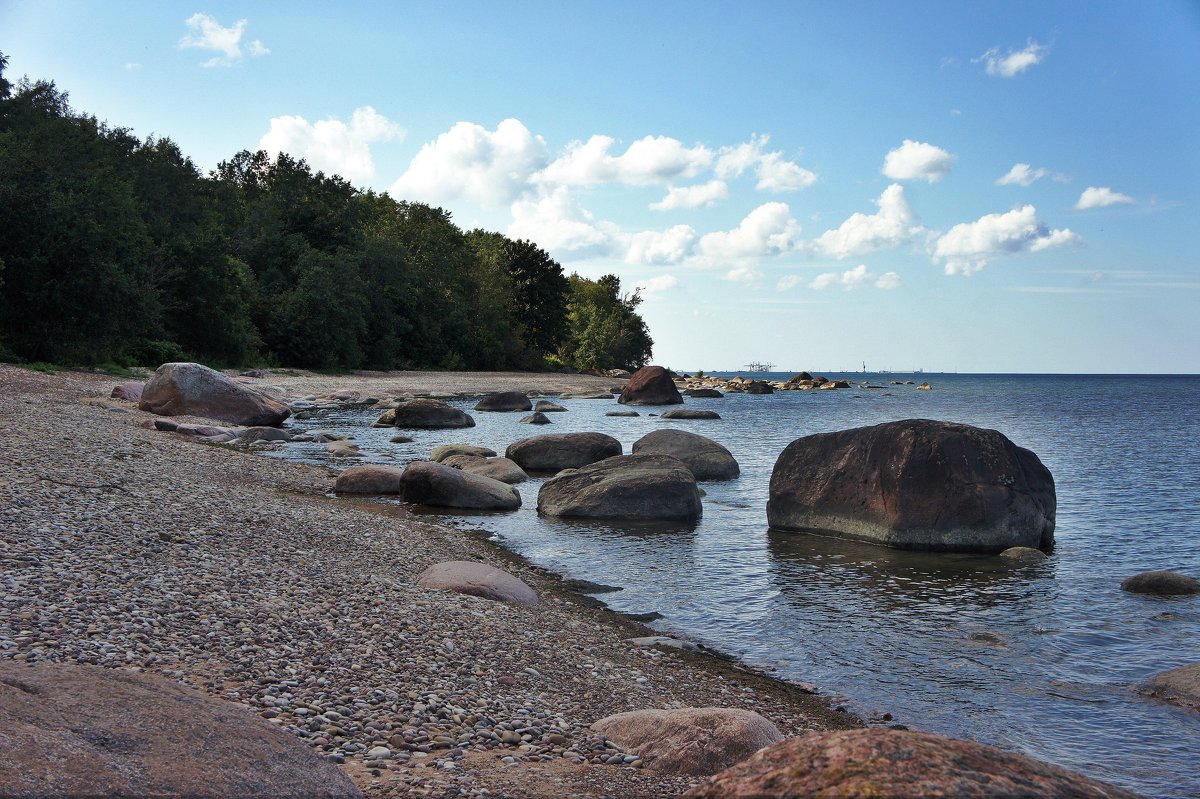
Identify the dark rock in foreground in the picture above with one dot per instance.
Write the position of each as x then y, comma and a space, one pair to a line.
89, 731
915, 484
505, 401
425, 414
694, 741
634, 487
706, 459
650, 385
1179, 686
369, 478
192, 389
429, 483
896, 763
477, 579
1161, 583
556, 451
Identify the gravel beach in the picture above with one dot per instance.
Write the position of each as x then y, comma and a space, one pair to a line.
245, 577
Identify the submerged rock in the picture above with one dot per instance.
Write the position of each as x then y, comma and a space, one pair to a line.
1161, 583
1023, 556
690, 413
693, 741
192, 389
650, 385
1179, 686
635, 487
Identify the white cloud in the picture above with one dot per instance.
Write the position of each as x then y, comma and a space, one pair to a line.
699, 196
915, 160
205, 33
660, 247
330, 144
967, 246
657, 285
767, 230
1015, 62
854, 278
1021, 175
132, 66
1101, 197
557, 223
744, 274
649, 160
775, 173
788, 282
491, 168
893, 224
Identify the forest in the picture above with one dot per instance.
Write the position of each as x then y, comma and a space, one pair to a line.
116, 250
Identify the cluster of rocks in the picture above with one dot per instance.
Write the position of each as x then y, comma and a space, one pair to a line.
711, 386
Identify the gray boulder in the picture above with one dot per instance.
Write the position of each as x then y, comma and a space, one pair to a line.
440, 454
504, 401
501, 469
424, 413
1161, 583
546, 406
690, 413
633, 487
706, 459
693, 741
556, 451
477, 579
429, 483
536, 418
191, 389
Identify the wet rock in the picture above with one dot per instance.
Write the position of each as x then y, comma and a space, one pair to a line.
342, 449
556, 451
1023, 556
650, 385
505, 401
915, 484
369, 479
429, 483
477, 579
622, 413
440, 454
89, 731
546, 406
1161, 583
424, 413
690, 413
706, 459
249, 435
690, 741
707, 393
896, 763
1179, 686
191, 389
759, 387
502, 469
536, 418
636, 487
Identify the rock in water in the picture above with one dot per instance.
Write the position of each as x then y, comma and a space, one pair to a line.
651, 385
536, 418
191, 389
429, 483
504, 401
706, 459
546, 406
556, 451
90, 731
634, 487
1161, 583
896, 763
425, 414
440, 454
1179, 686
694, 741
501, 469
915, 484
477, 579
369, 479
690, 413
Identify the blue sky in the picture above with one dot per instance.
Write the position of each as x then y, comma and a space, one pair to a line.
999, 186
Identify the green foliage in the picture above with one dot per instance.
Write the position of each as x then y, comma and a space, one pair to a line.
42, 366
606, 331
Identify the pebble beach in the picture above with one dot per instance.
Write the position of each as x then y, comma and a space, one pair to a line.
245, 577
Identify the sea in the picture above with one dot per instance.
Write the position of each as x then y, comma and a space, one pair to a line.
1042, 660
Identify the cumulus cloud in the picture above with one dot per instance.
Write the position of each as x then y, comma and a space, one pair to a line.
767, 230
1021, 175
788, 282
892, 225
915, 160
660, 247
470, 162
657, 285
330, 144
205, 33
559, 224
966, 247
1101, 197
775, 173
699, 196
1014, 62
649, 160
854, 278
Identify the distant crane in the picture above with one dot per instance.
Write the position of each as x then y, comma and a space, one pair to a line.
760, 367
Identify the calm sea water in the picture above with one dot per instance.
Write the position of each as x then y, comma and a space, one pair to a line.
1040, 660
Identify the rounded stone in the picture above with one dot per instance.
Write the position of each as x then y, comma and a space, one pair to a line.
1161, 583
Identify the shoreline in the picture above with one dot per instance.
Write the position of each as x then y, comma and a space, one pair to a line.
307, 601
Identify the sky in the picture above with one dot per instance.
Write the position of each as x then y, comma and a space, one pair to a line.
975, 187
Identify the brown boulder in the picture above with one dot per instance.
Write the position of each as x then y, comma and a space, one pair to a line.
440, 454
548, 406
915, 484
429, 483
505, 401
896, 763
759, 387
371, 478
131, 391
425, 414
190, 389
636, 487
89, 731
695, 741
477, 579
650, 385
701, 393
1179, 686
556, 451
1161, 583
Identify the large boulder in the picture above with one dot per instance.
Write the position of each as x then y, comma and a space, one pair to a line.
370, 478
446, 451
191, 389
1161, 583
704, 393
556, 451
694, 741
634, 487
505, 401
90, 731
1179, 686
706, 459
896, 763
915, 484
477, 579
429, 483
650, 385
425, 414
501, 469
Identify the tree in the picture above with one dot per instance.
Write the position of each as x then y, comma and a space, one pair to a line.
606, 330
539, 295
